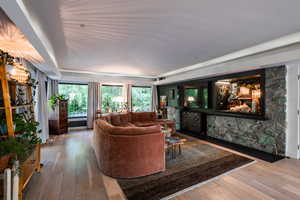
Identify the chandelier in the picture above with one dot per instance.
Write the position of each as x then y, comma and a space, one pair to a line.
19, 73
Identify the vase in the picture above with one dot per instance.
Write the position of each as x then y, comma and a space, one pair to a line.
4, 162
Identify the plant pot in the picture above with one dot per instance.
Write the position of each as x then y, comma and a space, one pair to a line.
4, 162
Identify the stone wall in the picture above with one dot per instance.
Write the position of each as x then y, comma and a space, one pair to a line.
268, 135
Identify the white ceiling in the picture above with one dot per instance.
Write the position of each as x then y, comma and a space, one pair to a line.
152, 37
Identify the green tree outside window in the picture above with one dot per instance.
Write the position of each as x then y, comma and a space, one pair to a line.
109, 94
77, 95
141, 98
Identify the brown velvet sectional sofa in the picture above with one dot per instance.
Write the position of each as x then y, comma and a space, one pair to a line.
130, 145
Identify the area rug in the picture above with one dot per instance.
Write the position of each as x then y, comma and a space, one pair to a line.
198, 163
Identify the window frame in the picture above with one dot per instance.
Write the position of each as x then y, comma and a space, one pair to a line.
68, 83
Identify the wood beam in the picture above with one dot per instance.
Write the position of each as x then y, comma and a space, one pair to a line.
6, 98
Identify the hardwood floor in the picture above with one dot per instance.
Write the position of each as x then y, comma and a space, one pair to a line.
70, 172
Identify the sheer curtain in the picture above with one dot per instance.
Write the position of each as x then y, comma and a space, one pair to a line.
154, 98
52, 88
41, 106
93, 101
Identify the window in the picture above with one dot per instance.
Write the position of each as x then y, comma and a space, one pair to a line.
141, 98
112, 98
77, 95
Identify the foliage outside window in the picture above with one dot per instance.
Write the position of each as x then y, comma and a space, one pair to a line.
77, 95
112, 98
141, 98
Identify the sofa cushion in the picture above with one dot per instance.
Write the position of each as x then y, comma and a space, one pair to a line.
106, 118
143, 116
104, 125
145, 123
115, 120
127, 125
117, 130
124, 118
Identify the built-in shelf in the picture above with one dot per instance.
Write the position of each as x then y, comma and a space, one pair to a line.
17, 83
18, 106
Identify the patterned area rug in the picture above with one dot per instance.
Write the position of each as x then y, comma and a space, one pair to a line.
198, 163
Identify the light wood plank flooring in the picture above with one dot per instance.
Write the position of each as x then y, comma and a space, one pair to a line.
70, 172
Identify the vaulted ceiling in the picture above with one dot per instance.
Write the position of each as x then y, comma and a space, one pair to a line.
152, 37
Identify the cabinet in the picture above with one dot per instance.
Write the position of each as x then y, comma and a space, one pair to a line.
58, 119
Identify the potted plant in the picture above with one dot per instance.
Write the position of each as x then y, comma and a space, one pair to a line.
13, 148
20, 147
55, 99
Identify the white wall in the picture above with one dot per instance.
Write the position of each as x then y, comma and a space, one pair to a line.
292, 107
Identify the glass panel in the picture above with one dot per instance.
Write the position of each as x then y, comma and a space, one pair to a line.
77, 95
205, 97
191, 97
141, 99
112, 98
241, 94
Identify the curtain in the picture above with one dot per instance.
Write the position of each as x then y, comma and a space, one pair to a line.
128, 96
100, 96
41, 106
154, 98
52, 88
93, 96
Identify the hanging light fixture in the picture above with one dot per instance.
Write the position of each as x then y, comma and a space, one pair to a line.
19, 73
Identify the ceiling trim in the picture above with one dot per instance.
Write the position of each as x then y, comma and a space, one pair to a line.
263, 47
272, 58
107, 74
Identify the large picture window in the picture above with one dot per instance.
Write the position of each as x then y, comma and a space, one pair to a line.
112, 98
77, 95
141, 98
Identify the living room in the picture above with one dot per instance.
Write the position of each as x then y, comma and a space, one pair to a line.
149, 100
